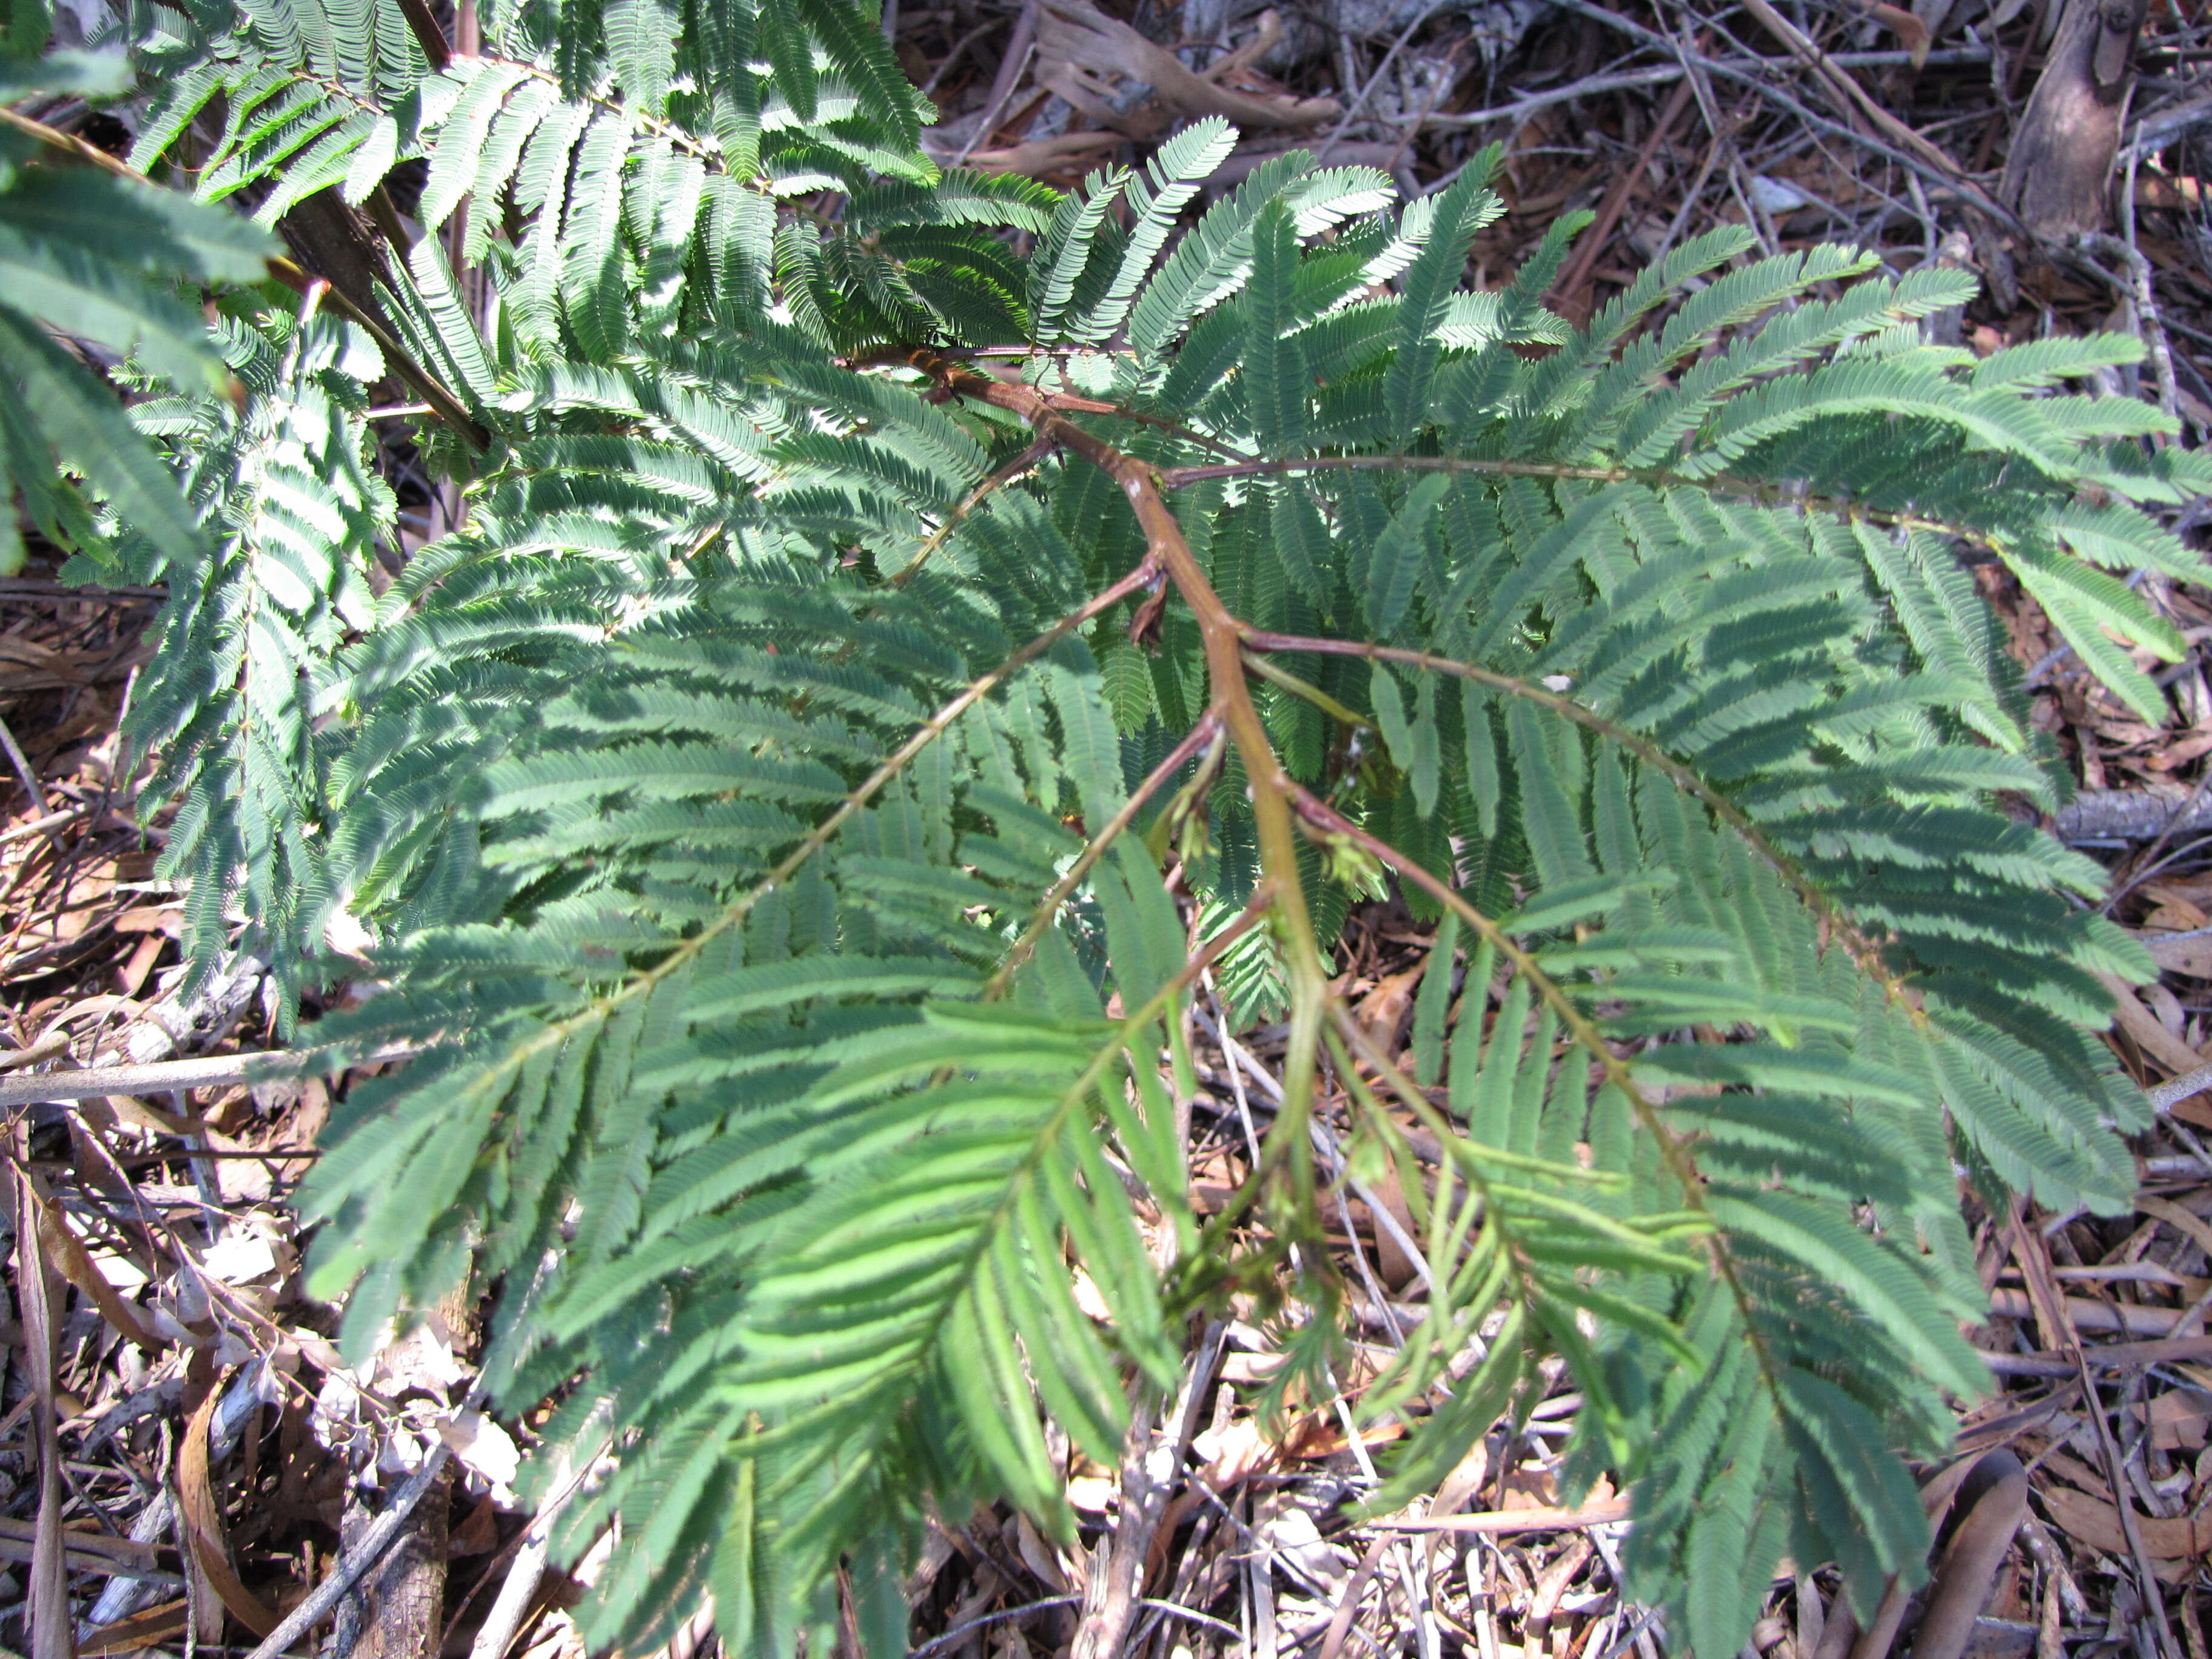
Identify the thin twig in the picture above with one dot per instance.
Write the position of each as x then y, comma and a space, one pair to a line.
47, 1618
2172, 1092
967, 504
1504, 1522
216, 1071
1021, 46
2148, 864
1204, 736
1152, 1464
1660, 74
937, 1644
1727, 70
356, 1563
2147, 1578
41, 587
1569, 292
20, 763
50, 821
2145, 301
959, 51
2156, 131
533, 1548
1359, 105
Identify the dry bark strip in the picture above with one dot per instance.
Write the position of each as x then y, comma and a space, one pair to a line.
161, 1077
405, 1594
1151, 1466
2060, 167
1997, 1495
48, 1618
360, 1556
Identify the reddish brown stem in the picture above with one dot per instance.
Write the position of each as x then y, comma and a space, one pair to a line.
1202, 735
1175, 477
1221, 634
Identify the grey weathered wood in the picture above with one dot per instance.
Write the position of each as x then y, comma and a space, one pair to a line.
2131, 815
214, 1071
161, 1077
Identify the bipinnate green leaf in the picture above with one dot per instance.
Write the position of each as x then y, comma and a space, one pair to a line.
870, 774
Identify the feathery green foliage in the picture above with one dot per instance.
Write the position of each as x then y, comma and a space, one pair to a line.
96, 260
769, 812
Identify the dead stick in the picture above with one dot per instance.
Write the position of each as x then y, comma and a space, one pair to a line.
1948, 178
1570, 300
50, 821
518, 1589
356, 1561
1359, 101
2146, 305
1019, 47
214, 1071
1149, 1467
161, 1077
1499, 1523
2146, 1576
1661, 74
21, 765
2170, 1094
47, 1596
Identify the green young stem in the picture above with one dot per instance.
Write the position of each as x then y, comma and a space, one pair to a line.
939, 360
1206, 732
1239, 465
1176, 478
974, 499
929, 731
1673, 1149
1320, 699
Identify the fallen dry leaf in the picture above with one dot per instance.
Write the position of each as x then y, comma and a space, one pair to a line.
2192, 956
1319, 1434
2171, 1544
2140, 1024
485, 1450
2178, 1421
203, 1522
67, 1252
1907, 28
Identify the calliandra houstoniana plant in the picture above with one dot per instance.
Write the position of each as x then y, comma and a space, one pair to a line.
883, 591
